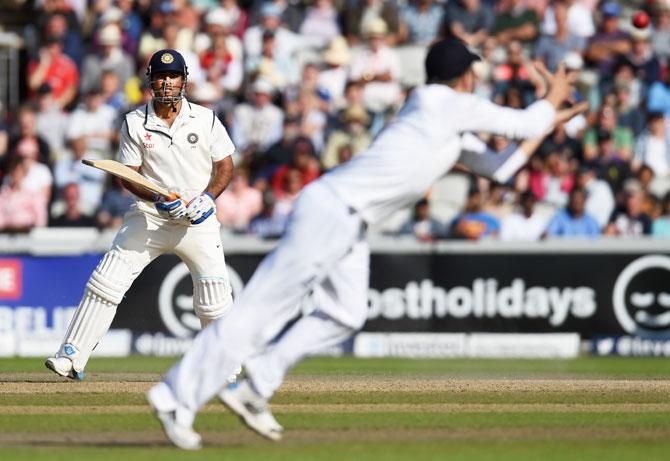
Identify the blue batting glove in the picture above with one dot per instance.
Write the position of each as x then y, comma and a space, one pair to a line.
200, 208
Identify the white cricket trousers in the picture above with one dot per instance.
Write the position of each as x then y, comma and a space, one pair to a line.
324, 250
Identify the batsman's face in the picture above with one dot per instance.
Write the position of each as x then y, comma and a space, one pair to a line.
167, 83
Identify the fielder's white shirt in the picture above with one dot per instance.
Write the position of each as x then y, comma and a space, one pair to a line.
422, 143
178, 158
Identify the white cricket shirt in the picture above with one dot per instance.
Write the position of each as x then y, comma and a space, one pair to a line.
179, 157
422, 143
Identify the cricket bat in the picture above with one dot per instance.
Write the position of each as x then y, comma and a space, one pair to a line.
122, 171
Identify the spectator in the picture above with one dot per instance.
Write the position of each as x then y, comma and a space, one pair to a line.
281, 152
579, 19
642, 57
354, 134
51, 121
420, 22
90, 181
660, 38
222, 65
360, 14
333, 79
303, 161
599, 197
469, 20
661, 225
56, 69
73, 216
421, 225
377, 68
573, 221
552, 48
320, 25
131, 26
629, 220
110, 57
515, 22
94, 121
116, 202
269, 224
289, 13
27, 118
286, 41
658, 97
111, 91
613, 167
607, 128
257, 125
523, 224
219, 22
628, 115
605, 47
278, 68
554, 182
237, 205
472, 223
57, 26
653, 147
38, 178
20, 208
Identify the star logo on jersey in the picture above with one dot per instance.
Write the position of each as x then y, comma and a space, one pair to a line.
147, 136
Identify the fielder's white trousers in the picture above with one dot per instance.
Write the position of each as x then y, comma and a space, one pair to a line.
324, 249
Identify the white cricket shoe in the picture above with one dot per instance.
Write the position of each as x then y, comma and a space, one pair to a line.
253, 409
182, 436
63, 366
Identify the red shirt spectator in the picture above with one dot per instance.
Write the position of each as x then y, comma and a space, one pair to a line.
56, 69
303, 161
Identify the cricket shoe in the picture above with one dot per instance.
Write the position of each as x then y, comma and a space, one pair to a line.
242, 399
63, 366
181, 435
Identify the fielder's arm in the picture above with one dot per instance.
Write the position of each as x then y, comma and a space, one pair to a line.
477, 158
222, 173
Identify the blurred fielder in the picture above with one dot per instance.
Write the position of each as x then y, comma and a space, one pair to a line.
184, 148
324, 250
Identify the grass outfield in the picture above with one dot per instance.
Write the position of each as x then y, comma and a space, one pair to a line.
344, 408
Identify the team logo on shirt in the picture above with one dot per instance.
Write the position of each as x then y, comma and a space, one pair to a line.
192, 138
167, 58
147, 141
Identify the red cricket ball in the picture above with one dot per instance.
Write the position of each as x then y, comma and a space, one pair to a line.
641, 20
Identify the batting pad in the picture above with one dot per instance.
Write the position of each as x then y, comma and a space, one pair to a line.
211, 298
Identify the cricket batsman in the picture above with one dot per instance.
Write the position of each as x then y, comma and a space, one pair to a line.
184, 148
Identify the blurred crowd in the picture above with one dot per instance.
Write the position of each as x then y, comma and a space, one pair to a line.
302, 86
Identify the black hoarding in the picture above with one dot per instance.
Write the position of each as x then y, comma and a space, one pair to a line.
591, 294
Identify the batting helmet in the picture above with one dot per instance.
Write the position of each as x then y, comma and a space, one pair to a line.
167, 61
448, 59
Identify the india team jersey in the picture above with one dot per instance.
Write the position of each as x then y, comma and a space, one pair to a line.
178, 158
422, 143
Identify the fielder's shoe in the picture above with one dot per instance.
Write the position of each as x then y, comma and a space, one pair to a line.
181, 435
242, 399
63, 366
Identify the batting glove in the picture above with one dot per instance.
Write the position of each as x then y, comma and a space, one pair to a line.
173, 210
200, 208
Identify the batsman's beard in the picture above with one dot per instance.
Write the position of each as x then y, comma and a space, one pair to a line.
172, 99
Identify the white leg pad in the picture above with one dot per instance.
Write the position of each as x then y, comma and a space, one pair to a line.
212, 297
104, 291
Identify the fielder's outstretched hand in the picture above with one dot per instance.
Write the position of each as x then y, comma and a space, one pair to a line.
560, 84
564, 115
200, 208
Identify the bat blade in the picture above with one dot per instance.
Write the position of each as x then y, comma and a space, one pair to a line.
122, 171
